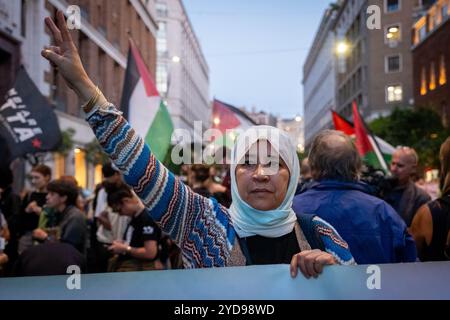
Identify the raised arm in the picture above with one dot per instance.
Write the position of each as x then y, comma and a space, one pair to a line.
197, 224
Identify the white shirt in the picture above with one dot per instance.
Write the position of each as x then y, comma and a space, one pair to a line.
118, 223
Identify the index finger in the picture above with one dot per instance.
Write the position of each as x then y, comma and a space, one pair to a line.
55, 31
61, 20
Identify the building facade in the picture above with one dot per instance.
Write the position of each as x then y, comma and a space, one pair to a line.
182, 71
376, 69
431, 60
102, 41
261, 117
319, 77
10, 38
295, 129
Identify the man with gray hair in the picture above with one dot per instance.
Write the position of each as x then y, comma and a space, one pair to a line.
305, 176
406, 198
373, 230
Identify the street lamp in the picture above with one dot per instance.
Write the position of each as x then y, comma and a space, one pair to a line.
176, 59
298, 119
342, 51
393, 29
342, 48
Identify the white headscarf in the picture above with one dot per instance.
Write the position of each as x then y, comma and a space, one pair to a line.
248, 221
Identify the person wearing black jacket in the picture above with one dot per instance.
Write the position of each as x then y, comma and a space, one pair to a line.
32, 205
431, 225
72, 228
10, 206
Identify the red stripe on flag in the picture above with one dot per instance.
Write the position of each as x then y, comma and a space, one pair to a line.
362, 141
223, 117
149, 84
341, 124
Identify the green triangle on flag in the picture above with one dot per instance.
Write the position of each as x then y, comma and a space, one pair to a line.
160, 133
366, 144
347, 127
144, 108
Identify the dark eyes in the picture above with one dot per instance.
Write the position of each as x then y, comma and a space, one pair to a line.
248, 163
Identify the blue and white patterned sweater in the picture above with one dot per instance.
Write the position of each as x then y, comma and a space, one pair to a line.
201, 227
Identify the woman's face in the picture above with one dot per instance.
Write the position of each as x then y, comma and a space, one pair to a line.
39, 181
258, 184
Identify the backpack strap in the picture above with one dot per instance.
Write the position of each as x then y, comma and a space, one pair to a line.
310, 232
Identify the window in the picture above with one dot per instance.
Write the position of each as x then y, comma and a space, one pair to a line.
394, 93
423, 82
391, 5
444, 11
161, 9
162, 46
422, 33
162, 29
23, 22
161, 78
101, 20
59, 165
432, 21
432, 77
393, 35
393, 64
437, 17
161, 41
84, 12
98, 175
442, 71
80, 167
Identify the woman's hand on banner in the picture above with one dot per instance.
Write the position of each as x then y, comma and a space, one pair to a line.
310, 262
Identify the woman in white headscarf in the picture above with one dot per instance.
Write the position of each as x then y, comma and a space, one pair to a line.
260, 226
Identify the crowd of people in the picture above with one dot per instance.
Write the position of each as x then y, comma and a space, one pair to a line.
52, 226
143, 217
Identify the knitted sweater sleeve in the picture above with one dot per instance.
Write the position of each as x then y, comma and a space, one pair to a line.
333, 242
200, 226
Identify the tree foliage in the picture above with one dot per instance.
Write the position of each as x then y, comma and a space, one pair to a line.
67, 142
418, 128
95, 153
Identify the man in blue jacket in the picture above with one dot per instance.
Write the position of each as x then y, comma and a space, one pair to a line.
373, 230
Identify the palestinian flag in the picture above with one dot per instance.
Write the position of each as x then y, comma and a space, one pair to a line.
230, 121
366, 145
144, 108
341, 124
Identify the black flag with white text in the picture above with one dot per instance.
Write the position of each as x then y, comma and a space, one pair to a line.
28, 123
